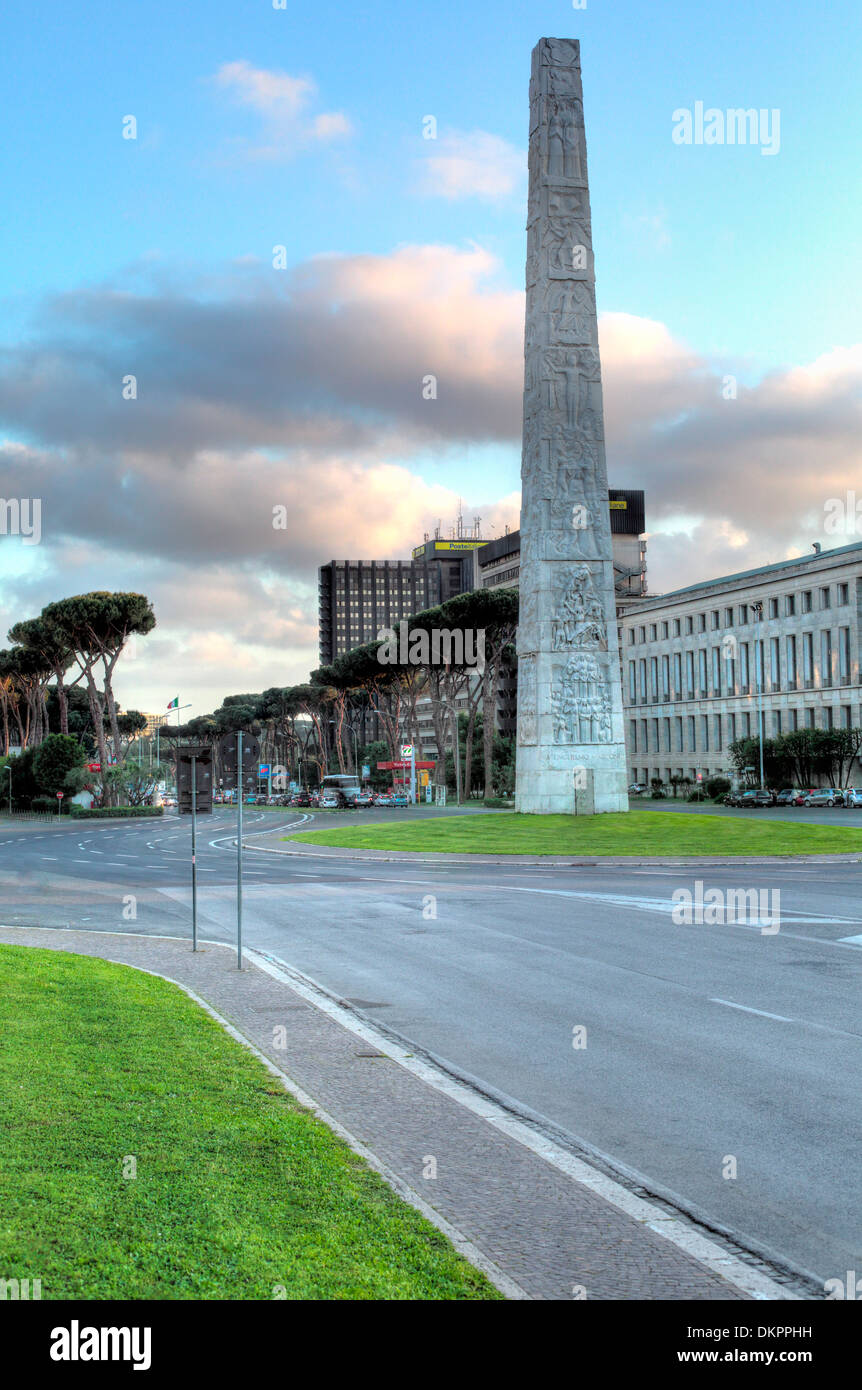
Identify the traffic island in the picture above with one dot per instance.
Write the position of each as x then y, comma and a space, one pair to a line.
635, 835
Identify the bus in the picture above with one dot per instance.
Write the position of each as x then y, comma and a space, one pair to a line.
343, 786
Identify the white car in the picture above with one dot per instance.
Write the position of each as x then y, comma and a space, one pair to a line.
329, 803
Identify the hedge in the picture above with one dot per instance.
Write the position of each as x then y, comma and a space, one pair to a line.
106, 812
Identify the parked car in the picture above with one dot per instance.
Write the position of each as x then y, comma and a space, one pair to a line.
636, 789
824, 796
758, 797
853, 797
788, 796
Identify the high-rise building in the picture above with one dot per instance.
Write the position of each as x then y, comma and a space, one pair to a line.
359, 597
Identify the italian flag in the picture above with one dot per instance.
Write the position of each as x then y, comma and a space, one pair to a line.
175, 704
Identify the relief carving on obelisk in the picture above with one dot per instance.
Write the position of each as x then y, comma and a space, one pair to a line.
568, 684
581, 703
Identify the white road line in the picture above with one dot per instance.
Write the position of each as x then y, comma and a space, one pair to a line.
851, 940
744, 1008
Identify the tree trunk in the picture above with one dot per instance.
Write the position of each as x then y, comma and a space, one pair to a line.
97, 714
63, 702
489, 723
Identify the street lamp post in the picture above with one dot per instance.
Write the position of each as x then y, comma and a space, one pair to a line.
453, 710
759, 675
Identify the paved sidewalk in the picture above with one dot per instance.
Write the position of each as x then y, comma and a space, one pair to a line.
544, 1229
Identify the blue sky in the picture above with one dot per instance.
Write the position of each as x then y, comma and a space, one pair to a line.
689, 235
302, 127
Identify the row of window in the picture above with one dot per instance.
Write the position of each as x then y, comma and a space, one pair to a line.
787, 605
739, 668
713, 733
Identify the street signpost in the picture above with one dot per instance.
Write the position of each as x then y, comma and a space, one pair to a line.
59, 803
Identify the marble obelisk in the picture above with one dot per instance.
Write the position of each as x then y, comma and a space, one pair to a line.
571, 747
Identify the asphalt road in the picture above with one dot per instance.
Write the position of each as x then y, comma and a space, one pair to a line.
704, 1043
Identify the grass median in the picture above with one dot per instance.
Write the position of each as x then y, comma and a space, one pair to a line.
634, 834
238, 1192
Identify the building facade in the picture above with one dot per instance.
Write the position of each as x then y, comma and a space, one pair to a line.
498, 564
699, 663
360, 597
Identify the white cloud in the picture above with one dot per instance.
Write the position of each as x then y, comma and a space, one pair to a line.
282, 102
471, 164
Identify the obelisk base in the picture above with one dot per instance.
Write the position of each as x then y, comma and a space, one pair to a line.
563, 789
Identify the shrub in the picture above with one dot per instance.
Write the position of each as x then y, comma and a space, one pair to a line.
717, 787
55, 758
79, 812
48, 803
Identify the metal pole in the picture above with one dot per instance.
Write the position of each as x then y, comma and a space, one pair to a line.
194, 852
457, 756
239, 850
761, 654
413, 773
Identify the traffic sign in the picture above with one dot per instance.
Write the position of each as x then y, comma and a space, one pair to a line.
59, 796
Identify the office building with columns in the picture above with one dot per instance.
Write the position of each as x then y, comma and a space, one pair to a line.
698, 663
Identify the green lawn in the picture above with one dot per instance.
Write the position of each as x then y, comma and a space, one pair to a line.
636, 833
239, 1192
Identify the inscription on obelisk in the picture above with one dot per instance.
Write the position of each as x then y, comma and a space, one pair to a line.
571, 747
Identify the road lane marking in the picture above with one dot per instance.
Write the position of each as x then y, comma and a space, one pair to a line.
762, 1013
850, 940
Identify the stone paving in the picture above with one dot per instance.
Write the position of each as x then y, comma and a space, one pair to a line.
545, 1231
